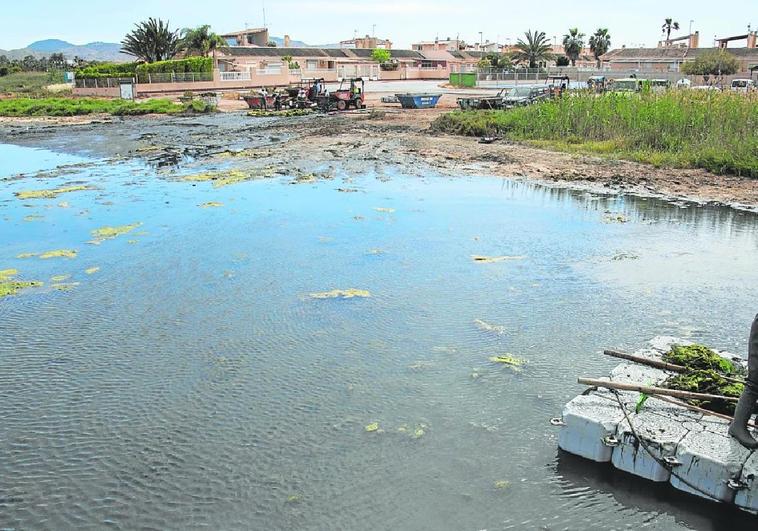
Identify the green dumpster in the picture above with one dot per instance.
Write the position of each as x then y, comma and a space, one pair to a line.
463, 79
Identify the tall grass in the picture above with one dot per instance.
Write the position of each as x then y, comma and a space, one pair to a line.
32, 83
717, 131
81, 106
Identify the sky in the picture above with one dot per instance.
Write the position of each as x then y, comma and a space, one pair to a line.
632, 23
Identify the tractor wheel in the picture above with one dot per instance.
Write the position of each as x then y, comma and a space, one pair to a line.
341, 105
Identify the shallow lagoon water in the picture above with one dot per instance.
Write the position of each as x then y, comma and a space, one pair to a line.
193, 382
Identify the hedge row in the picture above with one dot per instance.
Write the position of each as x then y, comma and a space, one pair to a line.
130, 70
181, 66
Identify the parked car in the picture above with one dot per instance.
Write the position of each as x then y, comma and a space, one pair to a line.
483, 102
743, 85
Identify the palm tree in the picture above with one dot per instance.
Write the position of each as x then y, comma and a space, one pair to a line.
200, 40
573, 44
151, 41
668, 25
600, 43
534, 50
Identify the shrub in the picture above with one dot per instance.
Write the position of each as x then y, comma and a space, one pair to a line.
380, 55
562, 60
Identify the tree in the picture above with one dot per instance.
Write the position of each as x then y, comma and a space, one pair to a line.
562, 60
536, 49
668, 25
711, 63
573, 44
200, 41
600, 43
380, 55
151, 41
57, 61
498, 60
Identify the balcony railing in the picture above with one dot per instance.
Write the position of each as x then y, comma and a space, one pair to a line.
235, 76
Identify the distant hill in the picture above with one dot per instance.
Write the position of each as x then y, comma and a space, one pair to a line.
93, 51
106, 51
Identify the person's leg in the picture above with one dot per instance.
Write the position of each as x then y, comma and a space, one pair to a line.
747, 403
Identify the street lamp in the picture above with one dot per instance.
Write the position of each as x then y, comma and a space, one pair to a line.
691, 21
480, 41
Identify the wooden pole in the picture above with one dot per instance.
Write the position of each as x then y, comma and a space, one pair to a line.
699, 409
658, 364
648, 390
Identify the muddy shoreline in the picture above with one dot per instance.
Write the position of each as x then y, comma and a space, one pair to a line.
367, 141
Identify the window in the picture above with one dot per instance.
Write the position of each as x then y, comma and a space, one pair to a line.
311, 64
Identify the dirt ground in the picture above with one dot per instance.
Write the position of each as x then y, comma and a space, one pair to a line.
386, 135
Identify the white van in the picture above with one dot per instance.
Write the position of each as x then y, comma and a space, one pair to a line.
743, 85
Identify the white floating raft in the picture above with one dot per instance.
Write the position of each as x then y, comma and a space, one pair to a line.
689, 450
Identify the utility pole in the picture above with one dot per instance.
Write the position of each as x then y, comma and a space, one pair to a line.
373, 30
263, 5
691, 21
480, 41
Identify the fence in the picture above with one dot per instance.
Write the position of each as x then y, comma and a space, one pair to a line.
112, 82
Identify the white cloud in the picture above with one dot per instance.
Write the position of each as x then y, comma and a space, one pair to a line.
379, 8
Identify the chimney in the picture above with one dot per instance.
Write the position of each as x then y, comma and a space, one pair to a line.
752, 39
694, 40
286, 41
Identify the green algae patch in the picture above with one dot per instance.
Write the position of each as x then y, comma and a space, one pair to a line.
9, 286
33, 217
699, 357
58, 253
92, 270
705, 372
52, 193
487, 327
109, 233
514, 363
341, 294
224, 178
294, 499
7, 274
371, 428
494, 259
60, 278
385, 210
710, 382
502, 484
211, 204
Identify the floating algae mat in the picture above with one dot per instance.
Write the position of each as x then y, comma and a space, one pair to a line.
212, 204
109, 233
52, 193
9, 286
510, 361
58, 253
227, 178
92, 270
341, 294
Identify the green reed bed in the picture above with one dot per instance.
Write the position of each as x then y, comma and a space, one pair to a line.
717, 131
81, 106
